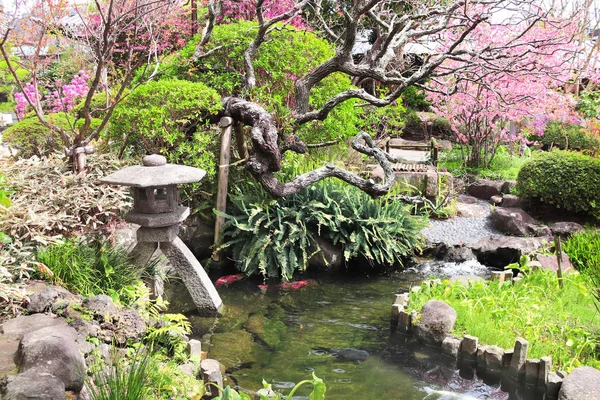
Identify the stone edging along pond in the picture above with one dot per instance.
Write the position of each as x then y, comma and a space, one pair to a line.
437, 319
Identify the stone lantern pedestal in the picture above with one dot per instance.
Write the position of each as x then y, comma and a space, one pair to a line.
157, 210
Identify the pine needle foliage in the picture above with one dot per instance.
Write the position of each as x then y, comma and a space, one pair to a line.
275, 238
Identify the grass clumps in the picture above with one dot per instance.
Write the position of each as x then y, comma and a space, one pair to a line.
563, 323
89, 267
504, 165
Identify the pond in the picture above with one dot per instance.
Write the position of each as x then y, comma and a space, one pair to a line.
339, 328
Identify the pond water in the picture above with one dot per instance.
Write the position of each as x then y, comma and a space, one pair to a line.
339, 328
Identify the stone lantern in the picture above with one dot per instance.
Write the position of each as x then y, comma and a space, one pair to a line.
157, 210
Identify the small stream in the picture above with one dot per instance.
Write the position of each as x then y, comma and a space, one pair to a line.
337, 327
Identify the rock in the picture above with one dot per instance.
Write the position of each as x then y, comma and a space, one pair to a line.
35, 385
496, 200
545, 369
130, 325
351, 355
42, 299
437, 321
329, 255
53, 350
201, 240
511, 201
583, 383
194, 348
404, 322
532, 371
85, 328
451, 346
458, 254
485, 189
565, 229
493, 358
188, 369
499, 251
519, 358
551, 263
102, 306
467, 199
468, 347
515, 221
9, 348
553, 385
18, 327
469, 210
481, 356
507, 186
211, 372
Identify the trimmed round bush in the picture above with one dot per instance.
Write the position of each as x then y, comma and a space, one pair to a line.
168, 117
572, 137
566, 180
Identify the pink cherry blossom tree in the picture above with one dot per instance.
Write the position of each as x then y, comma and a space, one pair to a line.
121, 39
525, 87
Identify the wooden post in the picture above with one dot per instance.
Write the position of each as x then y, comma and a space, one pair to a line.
225, 124
558, 248
241, 141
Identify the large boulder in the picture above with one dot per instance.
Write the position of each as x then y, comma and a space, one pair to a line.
517, 222
53, 350
18, 327
436, 322
581, 384
34, 385
469, 210
565, 229
499, 251
511, 201
485, 189
42, 296
458, 254
101, 306
551, 263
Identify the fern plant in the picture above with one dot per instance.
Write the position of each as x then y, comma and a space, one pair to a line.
278, 237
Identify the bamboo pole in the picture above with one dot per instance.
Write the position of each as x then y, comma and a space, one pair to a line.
225, 124
558, 248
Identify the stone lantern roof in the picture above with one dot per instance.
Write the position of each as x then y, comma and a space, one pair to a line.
155, 173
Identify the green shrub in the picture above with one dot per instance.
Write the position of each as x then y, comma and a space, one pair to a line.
568, 136
561, 323
168, 117
35, 139
415, 98
380, 122
503, 165
566, 180
287, 55
89, 268
277, 237
441, 127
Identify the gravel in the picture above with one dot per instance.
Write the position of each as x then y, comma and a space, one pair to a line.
461, 230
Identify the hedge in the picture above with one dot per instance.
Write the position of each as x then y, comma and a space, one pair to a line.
572, 136
566, 180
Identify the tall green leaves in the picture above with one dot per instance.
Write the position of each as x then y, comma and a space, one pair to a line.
278, 237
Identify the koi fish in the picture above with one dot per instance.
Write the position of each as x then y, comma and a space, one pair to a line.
228, 279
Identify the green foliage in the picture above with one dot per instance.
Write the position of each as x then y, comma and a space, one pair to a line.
380, 122
583, 249
36, 139
318, 391
568, 136
120, 382
415, 98
168, 117
560, 323
503, 166
589, 103
441, 127
563, 179
278, 237
89, 267
287, 55
412, 120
